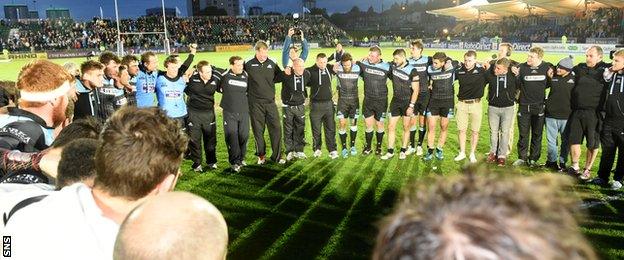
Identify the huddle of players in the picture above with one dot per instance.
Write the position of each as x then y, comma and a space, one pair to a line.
423, 96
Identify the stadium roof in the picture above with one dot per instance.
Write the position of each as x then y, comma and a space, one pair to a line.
482, 9
466, 11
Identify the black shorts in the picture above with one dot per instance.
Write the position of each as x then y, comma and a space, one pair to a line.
440, 107
421, 104
375, 107
399, 107
348, 108
583, 124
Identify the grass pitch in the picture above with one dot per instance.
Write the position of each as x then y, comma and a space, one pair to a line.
322, 208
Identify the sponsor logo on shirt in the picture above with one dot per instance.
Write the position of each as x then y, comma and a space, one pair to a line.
535, 78
375, 72
348, 76
442, 76
269, 66
571, 81
400, 75
237, 83
421, 69
173, 94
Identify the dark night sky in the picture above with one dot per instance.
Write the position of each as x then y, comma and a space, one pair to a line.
86, 9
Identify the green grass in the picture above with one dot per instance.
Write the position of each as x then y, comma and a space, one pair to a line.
319, 208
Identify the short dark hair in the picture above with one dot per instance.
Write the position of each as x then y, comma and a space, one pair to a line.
8, 92
418, 44
107, 57
346, 57
233, 59
82, 128
441, 56
321, 55
375, 49
201, 64
90, 65
77, 162
400, 52
146, 55
171, 59
470, 53
128, 58
261, 45
482, 214
503, 61
152, 145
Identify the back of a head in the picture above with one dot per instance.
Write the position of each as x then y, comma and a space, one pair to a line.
139, 148
174, 225
82, 128
485, 216
77, 163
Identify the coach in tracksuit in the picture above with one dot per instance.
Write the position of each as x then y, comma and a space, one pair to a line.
558, 110
201, 123
612, 135
584, 121
375, 76
263, 110
234, 102
502, 88
294, 95
348, 111
534, 81
322, 107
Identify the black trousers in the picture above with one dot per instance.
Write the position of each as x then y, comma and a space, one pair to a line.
236, 130
266, 115
612, 140
202, 128
530, 126
322, 116
294, 128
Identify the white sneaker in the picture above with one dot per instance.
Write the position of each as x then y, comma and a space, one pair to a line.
333, 155
410, 150
213, 166
473, 158
460, 157
616, 185
198, 169
236, 168
243, 163
519, 162
402, 156
318, 153
387, 156
261, 160
290, 156
419, 151
301, 155
281, 161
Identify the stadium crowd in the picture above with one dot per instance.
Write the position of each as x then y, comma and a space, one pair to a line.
96, 148
68, 34
601, 23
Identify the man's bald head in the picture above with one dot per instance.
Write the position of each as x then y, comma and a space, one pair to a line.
176, 225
